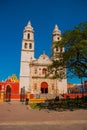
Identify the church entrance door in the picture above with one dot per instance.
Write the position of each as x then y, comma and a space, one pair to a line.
8, 93
44, 87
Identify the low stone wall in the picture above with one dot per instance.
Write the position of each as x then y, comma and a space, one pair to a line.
35, 100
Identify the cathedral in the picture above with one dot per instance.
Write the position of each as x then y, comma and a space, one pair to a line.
33, 71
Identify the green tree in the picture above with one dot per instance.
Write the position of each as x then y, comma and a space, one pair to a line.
74, 58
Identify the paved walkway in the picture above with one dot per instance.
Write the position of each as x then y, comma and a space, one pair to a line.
15, 114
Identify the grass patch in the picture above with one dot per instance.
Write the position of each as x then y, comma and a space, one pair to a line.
64, 104
35, 105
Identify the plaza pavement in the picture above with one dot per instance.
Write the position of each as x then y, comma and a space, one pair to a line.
17, 116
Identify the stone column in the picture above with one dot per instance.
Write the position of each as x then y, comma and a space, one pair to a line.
2, 96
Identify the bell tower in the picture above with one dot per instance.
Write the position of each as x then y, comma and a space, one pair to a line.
27, 53
56, 36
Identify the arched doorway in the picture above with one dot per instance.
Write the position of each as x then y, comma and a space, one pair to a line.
8, 93
44, 87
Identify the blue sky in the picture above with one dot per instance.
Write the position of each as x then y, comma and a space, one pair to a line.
43, 14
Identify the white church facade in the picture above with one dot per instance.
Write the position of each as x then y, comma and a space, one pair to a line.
33, 71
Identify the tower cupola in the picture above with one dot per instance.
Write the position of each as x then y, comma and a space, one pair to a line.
29, 27
56, 35
28, 32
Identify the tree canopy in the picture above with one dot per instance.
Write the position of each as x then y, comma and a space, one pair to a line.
74, 56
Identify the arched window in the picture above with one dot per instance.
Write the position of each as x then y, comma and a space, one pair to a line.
30, 45
57, 48
35, 86
58, 38
61, 49
52, 86
25, 45
43, 71
35, 71
28, 36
